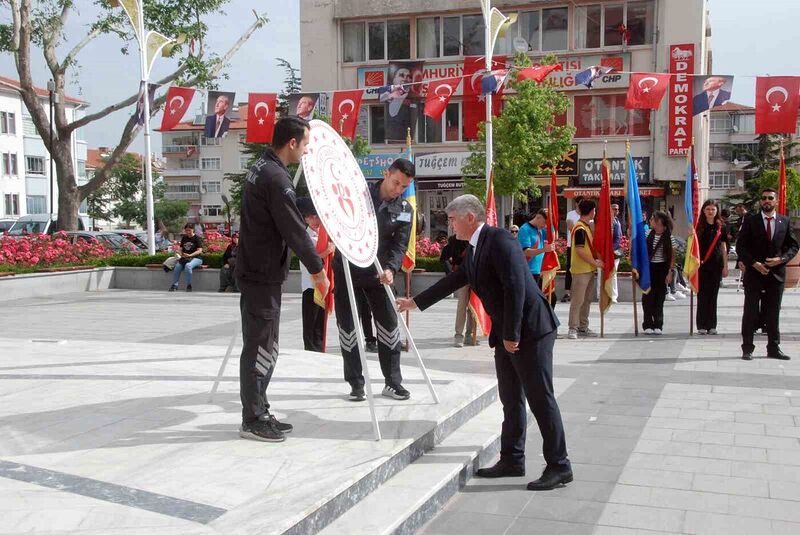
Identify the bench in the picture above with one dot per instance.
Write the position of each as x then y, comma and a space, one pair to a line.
161, 266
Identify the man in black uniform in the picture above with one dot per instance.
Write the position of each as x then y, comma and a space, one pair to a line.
394, 228
271, 224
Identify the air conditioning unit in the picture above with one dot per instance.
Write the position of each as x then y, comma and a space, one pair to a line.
735, 128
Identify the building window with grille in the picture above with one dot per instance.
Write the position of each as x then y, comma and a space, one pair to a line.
599, 25
721, 180
10, 164
721, 125
212, 210
212, 186
11, 202
8, 123
34, 165
211, 164
446, 129
189, 164
36, 204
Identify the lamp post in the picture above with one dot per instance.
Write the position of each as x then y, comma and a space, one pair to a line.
51, 88
228, 214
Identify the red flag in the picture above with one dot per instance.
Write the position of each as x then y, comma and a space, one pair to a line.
344, 115
261, 117
537, 73
603, 241
439, 93
474, 105
475, 305
782, 186
491, 210
777, 101
550, 263
327, 266
178, 100
646, 90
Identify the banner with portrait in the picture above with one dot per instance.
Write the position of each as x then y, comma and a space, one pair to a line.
710, 92
219, 113
303, 105
403, 99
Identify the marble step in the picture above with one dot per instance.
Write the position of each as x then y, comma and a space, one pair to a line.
416, 494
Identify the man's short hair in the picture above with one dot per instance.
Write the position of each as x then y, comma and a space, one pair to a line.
404, 166
467, 204
306, 206
543, 212
289, 128
586, 206
188, 225
769, 190
613, 204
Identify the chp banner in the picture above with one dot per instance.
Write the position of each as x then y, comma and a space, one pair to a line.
681, 65
178, 100
261, 117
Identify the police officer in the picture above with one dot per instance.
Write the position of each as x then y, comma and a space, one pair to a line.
394, 228
271, 224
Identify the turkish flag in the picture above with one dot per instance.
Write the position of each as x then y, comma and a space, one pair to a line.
777, 100
646, 90
439, 93
261, 117
537, 73
346, 107
178, 100
474, 106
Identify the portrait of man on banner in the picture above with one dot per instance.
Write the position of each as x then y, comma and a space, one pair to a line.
218, 114
402, 99
710, 92
303, 105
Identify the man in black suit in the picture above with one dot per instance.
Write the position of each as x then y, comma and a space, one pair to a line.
217, 124
523, 333
765, 244
712, 95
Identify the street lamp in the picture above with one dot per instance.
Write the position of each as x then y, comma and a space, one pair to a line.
51, 89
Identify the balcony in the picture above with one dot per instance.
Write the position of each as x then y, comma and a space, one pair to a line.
168, 173
180, 149
182, 195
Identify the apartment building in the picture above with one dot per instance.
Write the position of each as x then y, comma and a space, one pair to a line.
350, 43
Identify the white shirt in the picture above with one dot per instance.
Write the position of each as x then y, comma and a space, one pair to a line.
305, 276
473, 241
573, 216
712, 98
774, 217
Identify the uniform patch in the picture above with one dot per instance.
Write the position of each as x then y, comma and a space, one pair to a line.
405, 216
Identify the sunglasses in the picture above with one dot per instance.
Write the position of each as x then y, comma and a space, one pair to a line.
767, 198
514, 232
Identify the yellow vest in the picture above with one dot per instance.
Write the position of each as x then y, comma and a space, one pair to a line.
577, 264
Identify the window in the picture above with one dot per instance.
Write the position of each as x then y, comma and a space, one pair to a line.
445, 129
28, 128
244, 163
82, 168
36, 204
554, 29
720, 151
353, 42
209, 141
598, 26
377, 126
9, 164
428, 37
721, 125
451, 36
214, 186
11, 203
721, 180
398, 39
376, 40
34, 165
8, 122
189, 164
605, 115
473, 35
212, 210
744, 124
744, 152
210, 164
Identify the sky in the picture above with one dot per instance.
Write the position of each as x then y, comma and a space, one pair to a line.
748, 39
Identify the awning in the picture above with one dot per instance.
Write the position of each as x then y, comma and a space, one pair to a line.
644, 191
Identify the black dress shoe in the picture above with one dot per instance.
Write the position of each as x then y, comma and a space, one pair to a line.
551, 478
747, 356
780, 355
501, 469
371, 347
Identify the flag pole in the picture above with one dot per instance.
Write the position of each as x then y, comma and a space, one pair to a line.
691, 288
630, 224
406, 345
486, 6
600, 271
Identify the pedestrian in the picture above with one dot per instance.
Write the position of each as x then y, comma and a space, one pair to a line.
452, 258
226, 278
394, 217
616, 238
765, 244
313, 315
571, 218
524, 330
533, 239
713, 244
583, 266
271, 224
661, 253
191, 247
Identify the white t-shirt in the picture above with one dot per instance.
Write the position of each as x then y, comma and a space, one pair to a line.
305, 276
573, 216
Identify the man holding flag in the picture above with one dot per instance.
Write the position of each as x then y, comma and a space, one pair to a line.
395, 222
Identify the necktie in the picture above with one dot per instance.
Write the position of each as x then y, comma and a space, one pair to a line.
769, 228
471, 256
216, 130
710, 99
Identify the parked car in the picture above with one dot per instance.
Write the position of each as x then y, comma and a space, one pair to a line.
115, 242
139, 237
6, 224
41, 224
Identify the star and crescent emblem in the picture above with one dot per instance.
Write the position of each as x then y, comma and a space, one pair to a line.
648, 88
776, 107
174, 109
259, 106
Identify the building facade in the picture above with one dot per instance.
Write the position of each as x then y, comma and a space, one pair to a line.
370, 34
25, 177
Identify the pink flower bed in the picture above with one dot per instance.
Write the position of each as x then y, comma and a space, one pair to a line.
428, 247
40, 250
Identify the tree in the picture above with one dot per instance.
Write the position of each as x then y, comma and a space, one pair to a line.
40, 24
764, 164
291, 84
121, 195
525, 137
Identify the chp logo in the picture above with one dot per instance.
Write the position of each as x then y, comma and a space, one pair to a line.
617, 64
374, 78
681, 54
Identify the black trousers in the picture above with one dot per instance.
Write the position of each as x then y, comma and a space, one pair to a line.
537, 277
365, 315
260, 305
313, 322
226, 279
529, 374
385, 323
653, 301
762, 306
710, 278
568, 276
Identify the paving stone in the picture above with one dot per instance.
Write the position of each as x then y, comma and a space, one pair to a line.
731, 485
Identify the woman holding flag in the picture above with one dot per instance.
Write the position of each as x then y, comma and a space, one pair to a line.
662, 260
713, 242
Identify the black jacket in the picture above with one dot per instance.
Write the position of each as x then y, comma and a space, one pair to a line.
753, 246
230, 253
500, 278
271, 224
394, 229
453, 254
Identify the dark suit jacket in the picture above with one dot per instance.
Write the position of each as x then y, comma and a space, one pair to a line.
753, 246
700, 101
500, 277
211, 126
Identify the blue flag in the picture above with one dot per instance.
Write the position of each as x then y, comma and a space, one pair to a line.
640, 261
